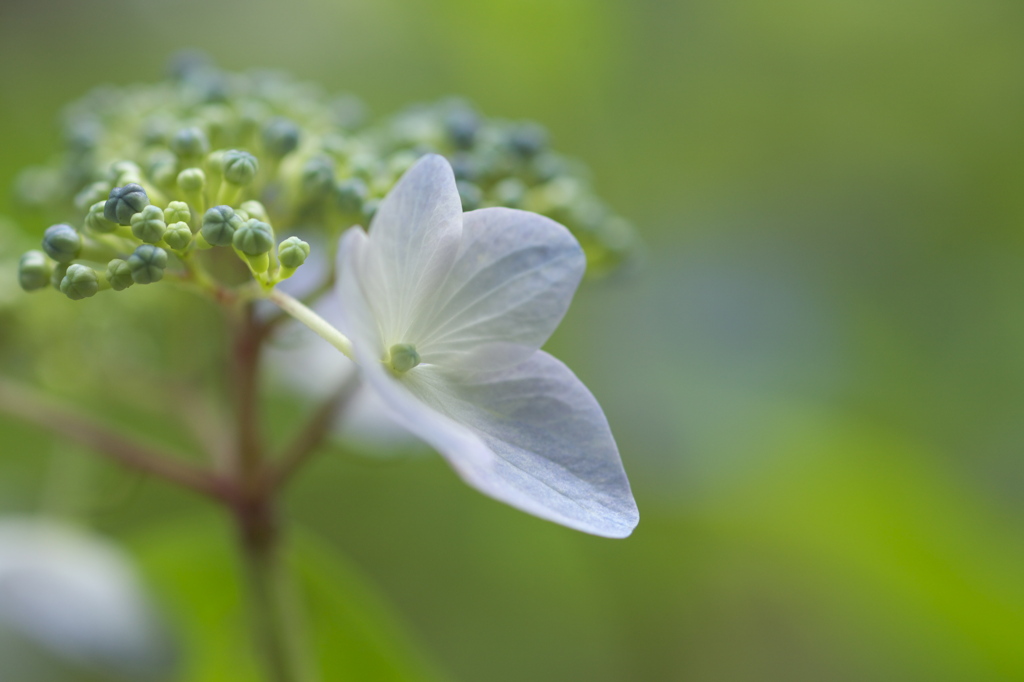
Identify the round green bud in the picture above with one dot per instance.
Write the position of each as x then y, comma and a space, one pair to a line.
510, 192
402, 357
254, 209
350, 195
178, 236
119, 274
95, 220
317, 176
254, 238
527, 139
34, 271
124, 202
177, 212
162, 167
190, 143
147, 264
240, 168
191, 180
120, 169
62, 243
220, 224
80, 282
92, 193
280, 137
148, 224
470, 194
292, 252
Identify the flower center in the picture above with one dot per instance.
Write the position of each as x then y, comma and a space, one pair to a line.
402, 357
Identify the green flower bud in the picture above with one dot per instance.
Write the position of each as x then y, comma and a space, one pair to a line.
280, 137
191, 180
124, 202
240, 168
34, 271
292, 253
317, 177
254, 238
220, 224
80, 282
255, 209
148, 224
177, 212
120, 169
62, 243
147, 264
350, 195
162, 167
96, 222
92, 193
119, 274
510, 192
470, 194
402, 357
178, 236
190, 143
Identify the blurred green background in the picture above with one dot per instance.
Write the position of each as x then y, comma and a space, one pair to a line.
816, 379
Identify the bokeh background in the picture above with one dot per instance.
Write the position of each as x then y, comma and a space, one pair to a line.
816, 377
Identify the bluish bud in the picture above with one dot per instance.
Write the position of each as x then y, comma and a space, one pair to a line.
317, 177
280, 137
528, 139
350, 195
34, 271
220, 224
292, 253
124, 202
92, 193
80, 282
148, 224
119, 274
178, 236
190, 143
548, 166
254, 209
369, 210
96, 222
177, 212
254, 238
462, 124
147, 264
62, 243
240, 168
470, 194
465, 166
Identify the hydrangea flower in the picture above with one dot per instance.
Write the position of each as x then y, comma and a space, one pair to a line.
446, 313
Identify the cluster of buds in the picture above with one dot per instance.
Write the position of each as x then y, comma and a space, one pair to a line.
152, 177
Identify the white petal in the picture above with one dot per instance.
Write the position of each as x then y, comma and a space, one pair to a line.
414, 238
531, 436
510, 285
76, 595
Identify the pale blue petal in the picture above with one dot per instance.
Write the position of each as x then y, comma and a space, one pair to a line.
414, 237
509, 287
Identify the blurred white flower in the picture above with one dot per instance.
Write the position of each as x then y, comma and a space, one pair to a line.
446, 313
77, 597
